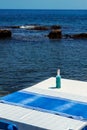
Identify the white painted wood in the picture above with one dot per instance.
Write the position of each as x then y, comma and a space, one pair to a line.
27, 117
71, 89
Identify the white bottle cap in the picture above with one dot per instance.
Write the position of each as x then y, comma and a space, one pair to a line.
58, 72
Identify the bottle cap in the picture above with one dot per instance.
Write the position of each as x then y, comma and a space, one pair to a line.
58, 72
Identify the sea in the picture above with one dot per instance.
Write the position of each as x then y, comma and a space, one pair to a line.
29, 56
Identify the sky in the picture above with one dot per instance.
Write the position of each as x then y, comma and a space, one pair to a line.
43, 4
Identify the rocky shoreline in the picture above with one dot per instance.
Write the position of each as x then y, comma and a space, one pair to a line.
54, 31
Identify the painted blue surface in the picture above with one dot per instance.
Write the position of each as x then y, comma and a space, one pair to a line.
4, 125
56, 105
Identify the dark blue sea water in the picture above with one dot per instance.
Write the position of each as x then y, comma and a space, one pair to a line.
30, 57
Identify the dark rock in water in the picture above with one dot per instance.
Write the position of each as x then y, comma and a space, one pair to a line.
81, 35
5, 33
76, 36
40, 28
56, 27
67, 36
14, 26
55, 34
11, 26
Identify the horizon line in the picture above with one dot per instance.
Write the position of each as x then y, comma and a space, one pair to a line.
36, 9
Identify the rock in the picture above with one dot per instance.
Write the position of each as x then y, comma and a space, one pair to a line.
5, 33
14, 26
67, 36
34, 27
11, 26
81, 35
56, 27
40, 28
76, 36
55, 34
53, 27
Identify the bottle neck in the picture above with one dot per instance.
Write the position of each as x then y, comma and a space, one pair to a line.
58, 72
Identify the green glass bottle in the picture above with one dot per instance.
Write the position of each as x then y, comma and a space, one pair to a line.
58, 79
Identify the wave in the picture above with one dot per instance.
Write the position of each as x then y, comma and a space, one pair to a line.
27, 27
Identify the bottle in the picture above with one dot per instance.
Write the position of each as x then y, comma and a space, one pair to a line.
58, 79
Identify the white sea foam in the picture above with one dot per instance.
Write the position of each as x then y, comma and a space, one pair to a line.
27, 27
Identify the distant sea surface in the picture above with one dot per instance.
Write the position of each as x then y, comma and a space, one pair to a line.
30, 57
